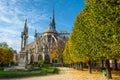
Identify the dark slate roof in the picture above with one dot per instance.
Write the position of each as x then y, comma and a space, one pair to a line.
50, 29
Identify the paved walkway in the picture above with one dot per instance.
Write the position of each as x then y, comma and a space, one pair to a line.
68, 74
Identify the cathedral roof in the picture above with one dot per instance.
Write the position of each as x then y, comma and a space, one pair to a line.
50, 29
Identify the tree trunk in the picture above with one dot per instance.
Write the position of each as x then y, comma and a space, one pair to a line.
90, 67
78, 66
115, 62
72, 65
108, 70
102, 64
81, 66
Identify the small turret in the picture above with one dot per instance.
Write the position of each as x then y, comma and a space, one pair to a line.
35, 35
25, 27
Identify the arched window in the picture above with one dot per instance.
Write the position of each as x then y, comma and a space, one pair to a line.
31, 59
47, 58
39, 57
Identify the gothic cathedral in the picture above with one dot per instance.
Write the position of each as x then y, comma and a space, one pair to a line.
41, 47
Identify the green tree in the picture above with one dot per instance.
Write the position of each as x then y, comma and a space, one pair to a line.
66, 54
96, 33
82, 43
54, 55
106, 23
4, 45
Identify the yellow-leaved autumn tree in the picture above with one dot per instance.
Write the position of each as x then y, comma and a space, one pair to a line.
6, 56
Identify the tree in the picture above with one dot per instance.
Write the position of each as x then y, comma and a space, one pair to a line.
81, 40
57, 50
41, 62
96, 33
54, 55
67, 59
106, 18
4, 45
6, 56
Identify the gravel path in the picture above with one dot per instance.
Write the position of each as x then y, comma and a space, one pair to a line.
68, 74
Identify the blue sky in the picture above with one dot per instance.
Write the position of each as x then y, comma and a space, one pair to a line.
38, 12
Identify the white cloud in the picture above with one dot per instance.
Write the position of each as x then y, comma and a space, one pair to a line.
4, 19
12, 18
10, 37
8, 31
13, 1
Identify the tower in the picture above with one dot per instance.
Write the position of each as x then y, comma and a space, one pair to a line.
23, 56
24, 37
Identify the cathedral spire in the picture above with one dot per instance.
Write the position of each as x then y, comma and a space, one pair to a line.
51, 27
53, 19
25, 23
25, 26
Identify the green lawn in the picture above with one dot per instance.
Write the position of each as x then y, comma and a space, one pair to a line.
41, 71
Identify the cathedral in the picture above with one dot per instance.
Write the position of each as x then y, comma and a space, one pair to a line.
41, 47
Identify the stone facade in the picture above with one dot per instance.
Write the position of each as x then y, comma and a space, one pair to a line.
41, 47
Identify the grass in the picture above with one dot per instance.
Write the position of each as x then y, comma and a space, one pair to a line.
16, 74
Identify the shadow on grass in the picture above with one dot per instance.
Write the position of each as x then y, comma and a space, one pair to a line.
21, 75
